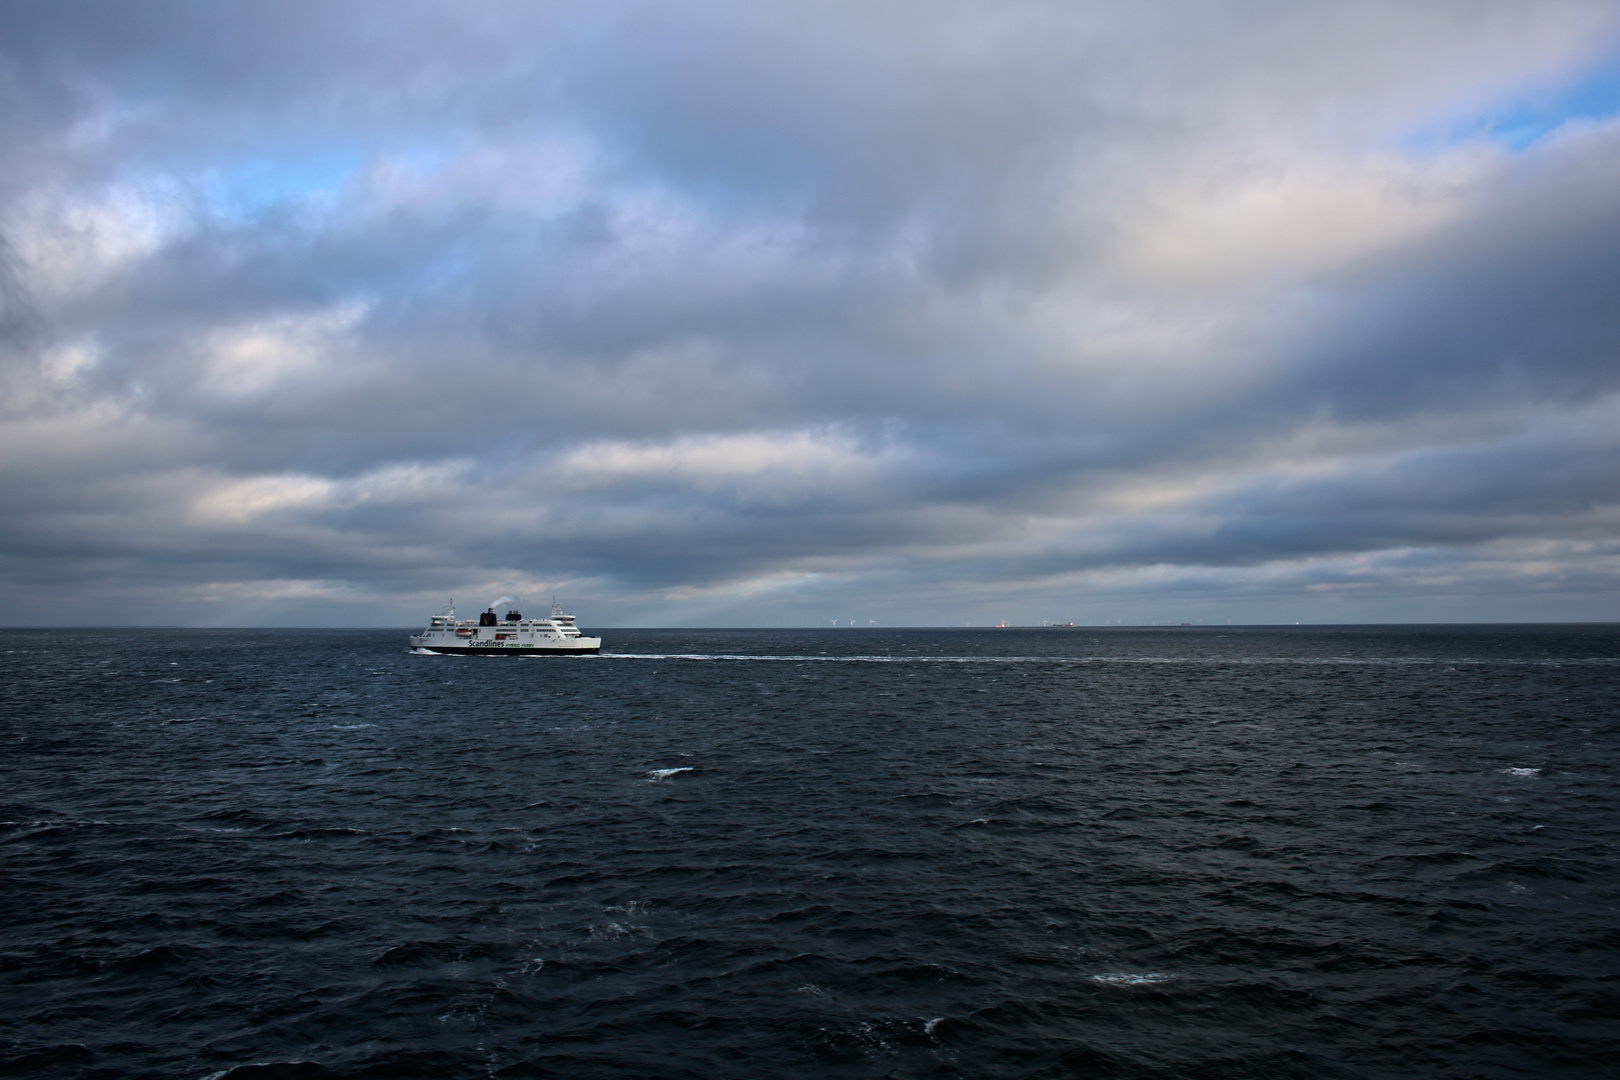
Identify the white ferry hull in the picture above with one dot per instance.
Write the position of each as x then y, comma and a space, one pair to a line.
502, 649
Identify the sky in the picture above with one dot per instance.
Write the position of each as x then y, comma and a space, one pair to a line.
759, 314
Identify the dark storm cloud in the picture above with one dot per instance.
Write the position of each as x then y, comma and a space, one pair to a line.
730, 311
1517, 302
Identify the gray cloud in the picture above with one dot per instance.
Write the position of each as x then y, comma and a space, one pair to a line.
749, 312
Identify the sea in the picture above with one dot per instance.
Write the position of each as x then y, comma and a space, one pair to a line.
1194, 852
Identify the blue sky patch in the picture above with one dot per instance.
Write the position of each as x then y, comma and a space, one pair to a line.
254, 185
1518, 122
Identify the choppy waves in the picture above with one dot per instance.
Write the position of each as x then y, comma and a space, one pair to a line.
1265, 855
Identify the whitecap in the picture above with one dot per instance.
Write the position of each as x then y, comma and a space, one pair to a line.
664, 774
1129, 978
1522, 772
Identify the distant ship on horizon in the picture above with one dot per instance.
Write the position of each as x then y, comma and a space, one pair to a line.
491, 635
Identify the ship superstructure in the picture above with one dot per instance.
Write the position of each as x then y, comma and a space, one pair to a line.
513, 635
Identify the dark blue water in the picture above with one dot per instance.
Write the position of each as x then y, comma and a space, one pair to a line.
1209, 853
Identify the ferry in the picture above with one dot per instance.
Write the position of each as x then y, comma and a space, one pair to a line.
514, 635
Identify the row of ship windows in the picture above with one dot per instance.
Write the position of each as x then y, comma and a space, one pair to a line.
503, 634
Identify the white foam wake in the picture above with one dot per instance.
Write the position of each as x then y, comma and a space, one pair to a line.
848, 659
